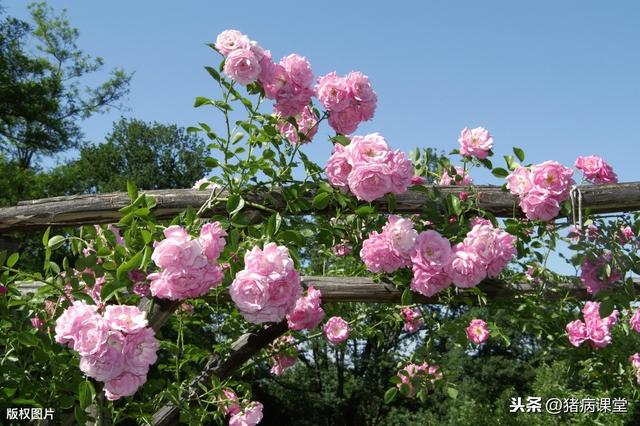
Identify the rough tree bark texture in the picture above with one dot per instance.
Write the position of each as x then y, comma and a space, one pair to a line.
103, 208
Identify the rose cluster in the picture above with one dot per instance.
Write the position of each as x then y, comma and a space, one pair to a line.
475, 142
418, 376
595, 329
283, 354
390, 249
349, 100
541, 188
368, 168
412, 319
251, 415
435, 263
596, 170
268, 286
116, 348
477, 332
188, 267
287, 82
589, 275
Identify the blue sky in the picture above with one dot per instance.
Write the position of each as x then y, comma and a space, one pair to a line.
558, 79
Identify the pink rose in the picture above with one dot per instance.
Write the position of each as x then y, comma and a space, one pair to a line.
429, 280
596, 170
212, 241
230, 40
125, 384
345, 121
577, 332
178, 250
179, 284
341, 250
370, 181
243, 66
273, 77
336, 330
418, 180
306, 313
298, 70
589, 275
251, 416
338, 167
402, 172
465, 266
367, 109
127, 319
625, 234
333, 92
229, 402
140, 351
401, 235
418, 376
539, 204
412, 319
108, 362
519, 181
37, 322
81, 328
431, 249
378, 254
635, 321
291, 100
460, 178
359, 87
477, 332
268, 287
307, 125
475, 143
553, 177
371, 148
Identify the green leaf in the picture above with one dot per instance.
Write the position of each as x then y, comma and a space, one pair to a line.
86, 394
235, 203
241, 220
130, 264
132, 190
201, 101
452, 392
211, 162
390, 395
45, 237
55, 241
456, 207
28, 339
365, 210
212, 71
500, 172
110, 288
406, 297
293, 237
13, 259
519, 153
321, 201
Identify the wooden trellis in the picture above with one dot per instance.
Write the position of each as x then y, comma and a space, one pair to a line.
103, 208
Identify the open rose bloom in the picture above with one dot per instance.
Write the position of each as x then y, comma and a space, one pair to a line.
477, 332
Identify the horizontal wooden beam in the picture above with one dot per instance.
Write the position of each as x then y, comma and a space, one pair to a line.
366, 290
103, 208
